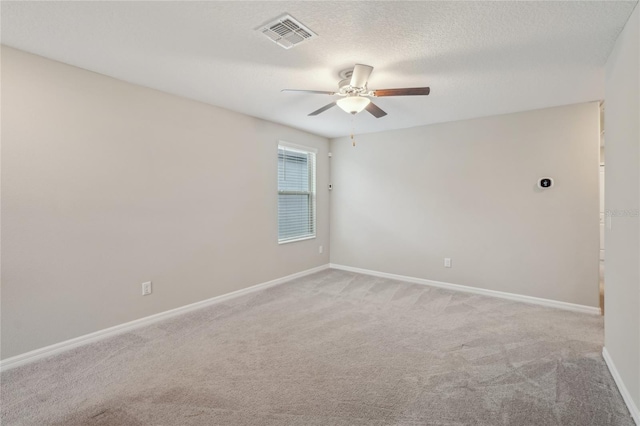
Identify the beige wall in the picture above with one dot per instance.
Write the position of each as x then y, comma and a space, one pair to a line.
106, 185
404, 200
622, 197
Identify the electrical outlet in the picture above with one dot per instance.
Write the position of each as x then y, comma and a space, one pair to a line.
320, 249
447, 262
146, 288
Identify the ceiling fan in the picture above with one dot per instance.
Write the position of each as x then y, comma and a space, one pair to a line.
355, 93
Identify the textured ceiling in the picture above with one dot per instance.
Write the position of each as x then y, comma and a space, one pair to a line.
479, 58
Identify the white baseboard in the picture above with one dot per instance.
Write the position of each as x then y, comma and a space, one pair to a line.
493, 293
633, 409
57, 348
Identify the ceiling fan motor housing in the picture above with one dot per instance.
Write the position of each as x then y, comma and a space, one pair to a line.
345, 88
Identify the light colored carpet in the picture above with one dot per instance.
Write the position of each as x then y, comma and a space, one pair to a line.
333, 348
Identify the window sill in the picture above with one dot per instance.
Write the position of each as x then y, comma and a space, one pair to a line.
311, 237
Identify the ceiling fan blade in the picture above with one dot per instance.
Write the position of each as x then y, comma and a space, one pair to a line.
360, 75
375, 110
409, 91
323, 109
317, 92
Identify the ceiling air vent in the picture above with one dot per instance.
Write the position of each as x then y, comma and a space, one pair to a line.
286, 31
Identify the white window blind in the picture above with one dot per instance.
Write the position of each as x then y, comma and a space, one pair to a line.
296, 192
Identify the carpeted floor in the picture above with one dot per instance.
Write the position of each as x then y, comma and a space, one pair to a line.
333, 348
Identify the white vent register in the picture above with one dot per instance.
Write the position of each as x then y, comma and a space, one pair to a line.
286, 31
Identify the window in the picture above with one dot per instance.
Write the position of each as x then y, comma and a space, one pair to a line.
296, 192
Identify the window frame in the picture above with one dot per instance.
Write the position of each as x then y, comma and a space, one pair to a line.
312, 178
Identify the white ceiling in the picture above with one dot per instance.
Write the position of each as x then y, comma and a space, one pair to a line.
479, 58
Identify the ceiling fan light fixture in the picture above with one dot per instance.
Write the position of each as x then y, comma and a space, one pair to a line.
353, 104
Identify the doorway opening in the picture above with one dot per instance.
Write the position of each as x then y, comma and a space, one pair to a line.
602, 210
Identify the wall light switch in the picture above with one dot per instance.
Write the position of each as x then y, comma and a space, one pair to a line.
320, 249
447, 262
146, 288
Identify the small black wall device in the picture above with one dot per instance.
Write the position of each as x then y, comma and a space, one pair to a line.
545, 182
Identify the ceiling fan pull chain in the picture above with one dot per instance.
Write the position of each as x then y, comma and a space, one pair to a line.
353, 141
